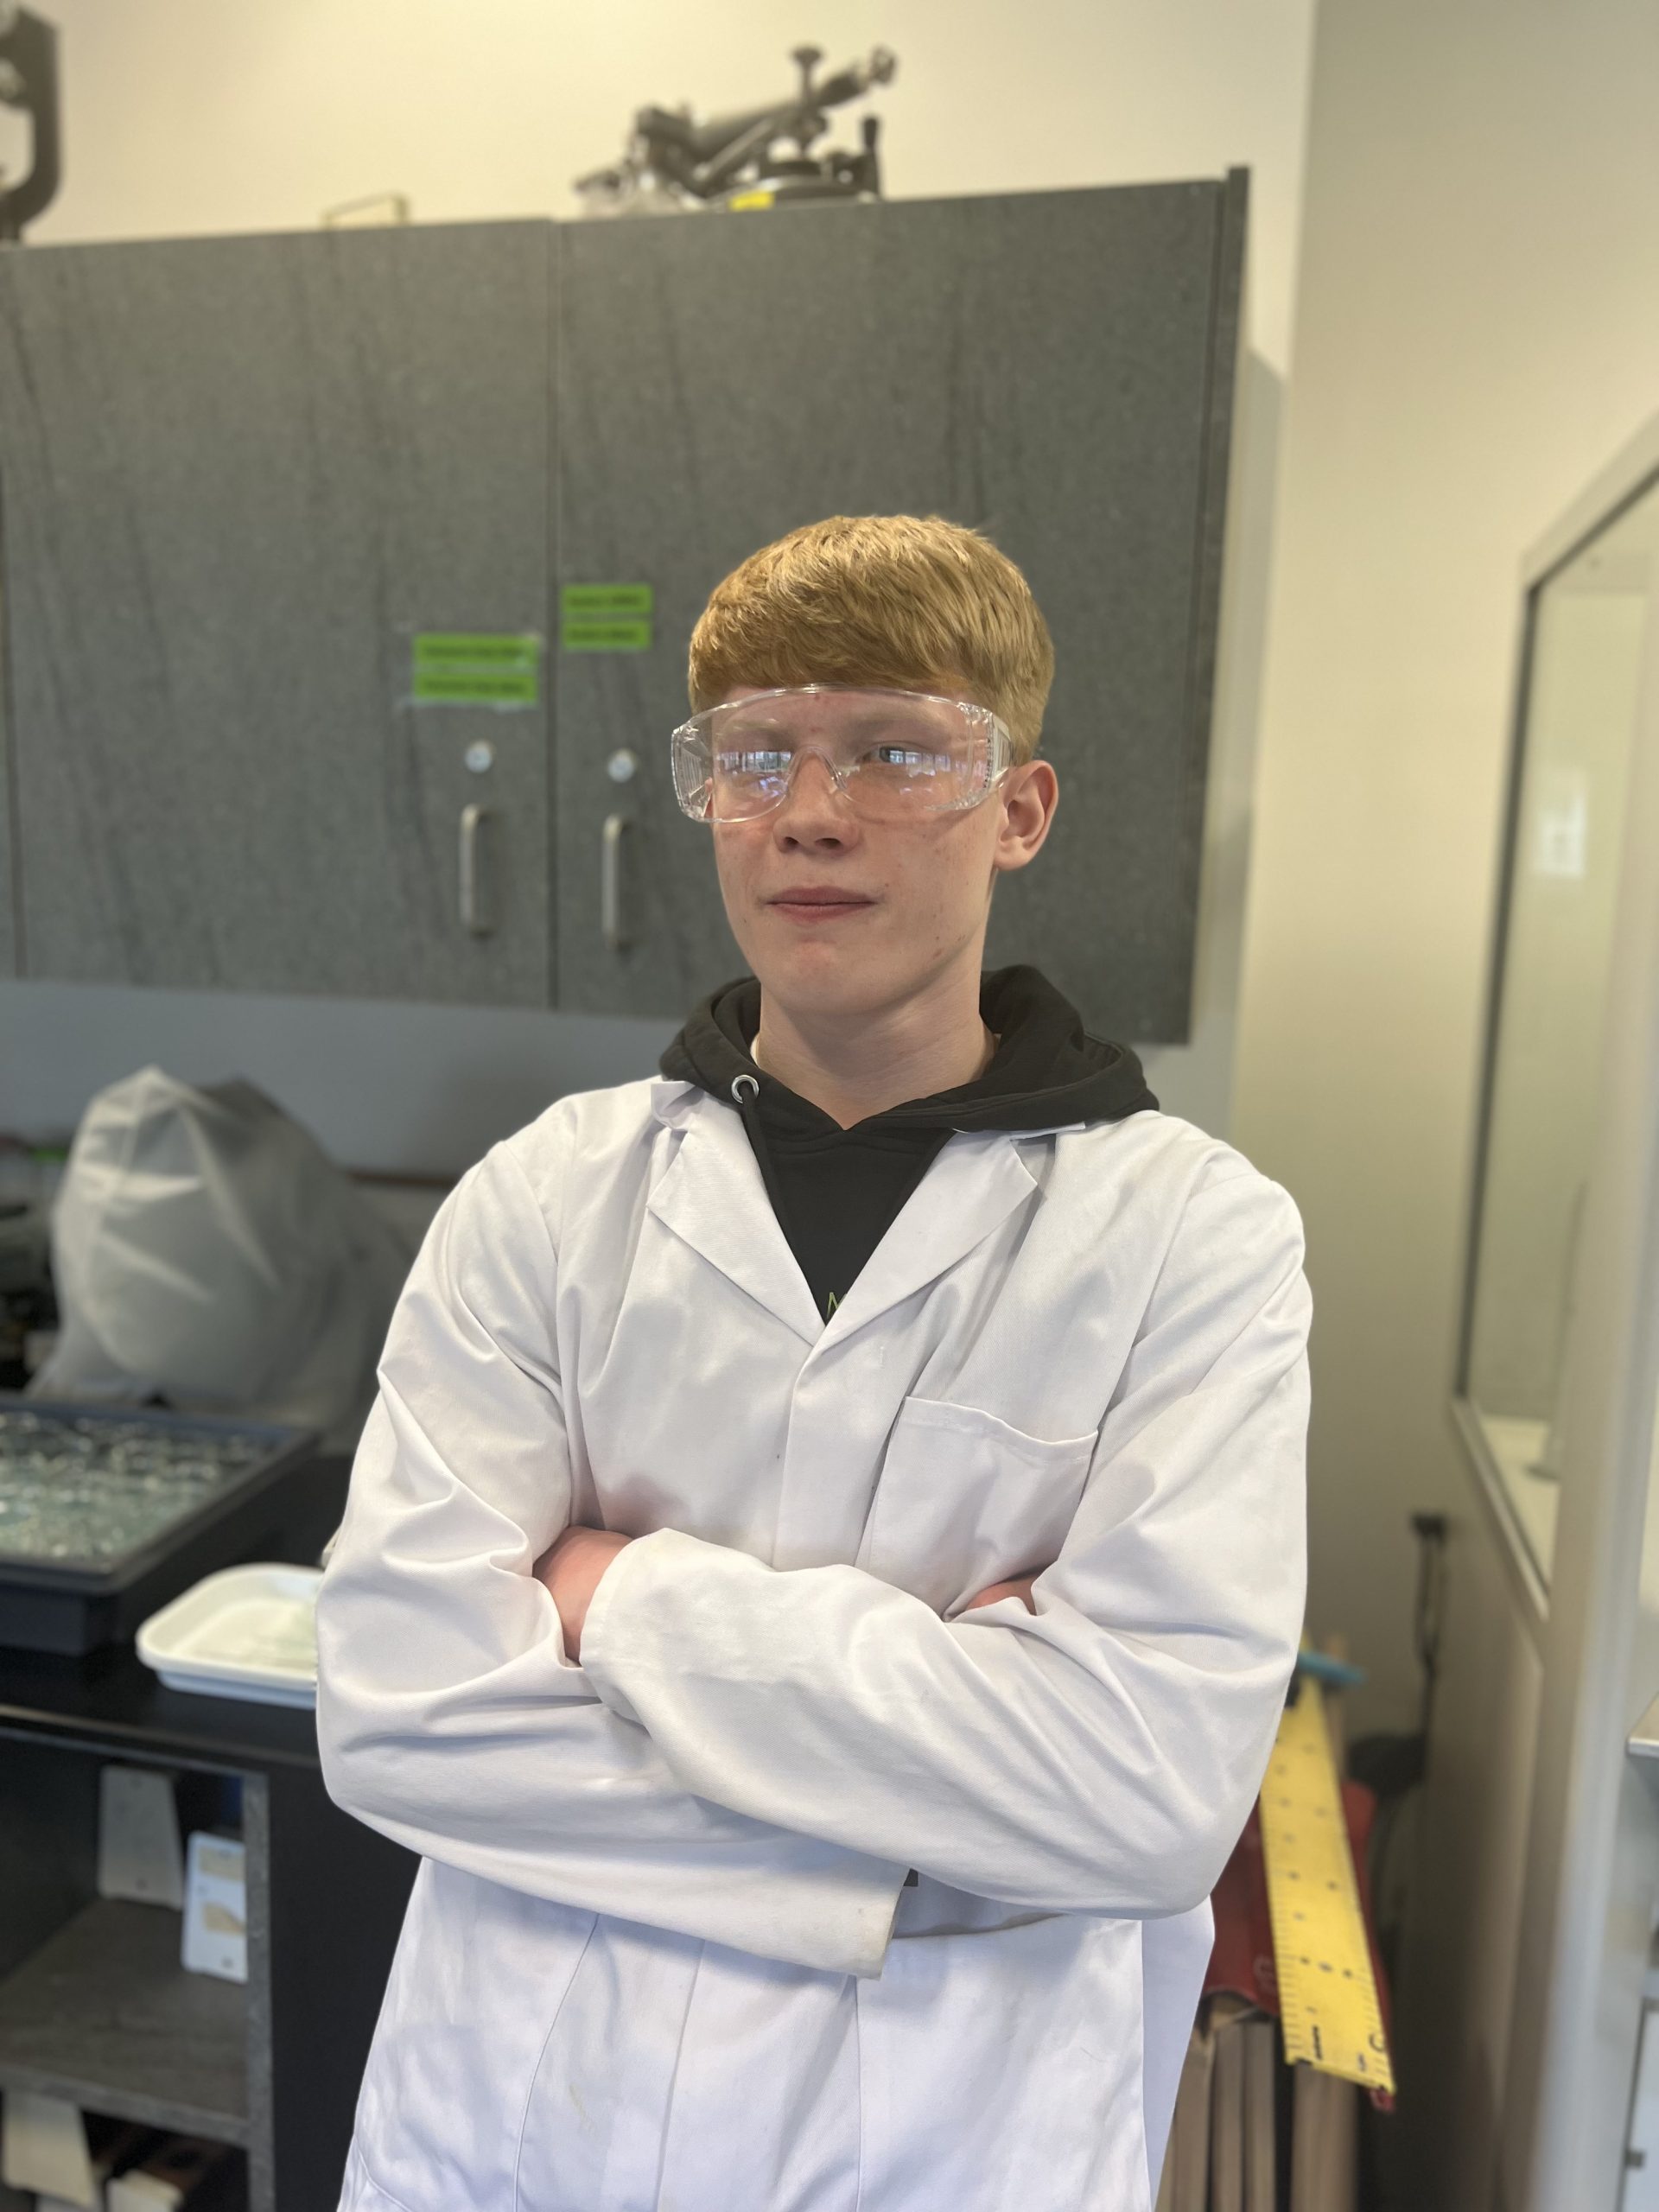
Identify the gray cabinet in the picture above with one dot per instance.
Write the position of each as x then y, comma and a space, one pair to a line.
237, 477
1054, 367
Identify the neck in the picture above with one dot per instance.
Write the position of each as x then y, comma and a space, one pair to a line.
855, 1064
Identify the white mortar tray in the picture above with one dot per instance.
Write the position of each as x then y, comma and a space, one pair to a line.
246, 1632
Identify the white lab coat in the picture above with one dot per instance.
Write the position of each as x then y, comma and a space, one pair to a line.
661, 1953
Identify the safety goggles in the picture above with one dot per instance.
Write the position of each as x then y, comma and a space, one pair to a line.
895, 755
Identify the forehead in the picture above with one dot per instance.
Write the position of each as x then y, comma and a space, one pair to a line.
832, 699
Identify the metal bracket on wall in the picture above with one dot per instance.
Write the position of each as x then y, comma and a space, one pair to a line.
28, 81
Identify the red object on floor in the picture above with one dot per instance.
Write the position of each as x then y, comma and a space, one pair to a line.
1242, 1963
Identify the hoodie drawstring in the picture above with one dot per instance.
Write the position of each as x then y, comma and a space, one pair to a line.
745, 1101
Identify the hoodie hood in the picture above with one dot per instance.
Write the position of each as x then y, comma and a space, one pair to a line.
1046, 1072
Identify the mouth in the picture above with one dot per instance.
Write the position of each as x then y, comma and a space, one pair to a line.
817, 907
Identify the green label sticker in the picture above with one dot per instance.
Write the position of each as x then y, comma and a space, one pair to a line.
459, 668
605, 618
588, 600
606, 637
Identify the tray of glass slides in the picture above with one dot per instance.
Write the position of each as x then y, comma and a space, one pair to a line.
108, 1511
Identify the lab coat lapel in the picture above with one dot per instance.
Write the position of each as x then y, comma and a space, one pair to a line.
713, 1197
843, 1410
972, 1187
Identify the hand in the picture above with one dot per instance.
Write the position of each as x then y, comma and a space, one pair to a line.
572, 1568
1021, 1589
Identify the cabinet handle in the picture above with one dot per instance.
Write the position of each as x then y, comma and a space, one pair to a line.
473, 918
617, 938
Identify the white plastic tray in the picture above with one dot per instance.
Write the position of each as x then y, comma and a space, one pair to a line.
246, 1631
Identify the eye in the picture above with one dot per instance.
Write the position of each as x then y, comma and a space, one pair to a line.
894, 754
753, 761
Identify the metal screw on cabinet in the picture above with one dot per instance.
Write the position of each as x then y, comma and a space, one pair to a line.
622, 767
479, 755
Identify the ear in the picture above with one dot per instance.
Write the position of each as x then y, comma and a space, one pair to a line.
1028, 799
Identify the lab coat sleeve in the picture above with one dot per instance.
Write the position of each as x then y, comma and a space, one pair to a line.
449, 1716
1099, 1755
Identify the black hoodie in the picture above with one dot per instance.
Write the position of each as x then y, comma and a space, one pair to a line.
836, 1191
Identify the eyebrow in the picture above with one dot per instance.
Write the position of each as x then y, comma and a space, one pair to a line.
746, 730
768, 725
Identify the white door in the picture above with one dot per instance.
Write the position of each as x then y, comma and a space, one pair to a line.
1561, 1375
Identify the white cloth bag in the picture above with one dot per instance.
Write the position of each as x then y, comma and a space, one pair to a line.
205, 1247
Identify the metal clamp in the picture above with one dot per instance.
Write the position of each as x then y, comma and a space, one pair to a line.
474, 918
617, 938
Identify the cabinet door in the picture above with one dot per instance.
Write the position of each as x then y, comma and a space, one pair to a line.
238, 476
1052, 368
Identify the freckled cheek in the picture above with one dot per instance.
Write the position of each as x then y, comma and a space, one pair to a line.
736, 859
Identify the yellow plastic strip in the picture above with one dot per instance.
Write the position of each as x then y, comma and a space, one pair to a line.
1327, 1992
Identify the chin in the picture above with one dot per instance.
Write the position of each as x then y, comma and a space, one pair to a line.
840, 984
826, 971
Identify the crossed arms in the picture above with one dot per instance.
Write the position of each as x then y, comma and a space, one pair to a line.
757, 1756
573, 1569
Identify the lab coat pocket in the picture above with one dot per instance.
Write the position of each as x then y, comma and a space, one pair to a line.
1003, 2070
965, 1499
478, 1978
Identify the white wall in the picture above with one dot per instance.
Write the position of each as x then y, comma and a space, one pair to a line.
190, 116
187, 115
1477, 331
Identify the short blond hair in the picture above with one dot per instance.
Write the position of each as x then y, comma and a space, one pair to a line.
906, 601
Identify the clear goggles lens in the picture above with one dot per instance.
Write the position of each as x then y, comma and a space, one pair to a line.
893, 755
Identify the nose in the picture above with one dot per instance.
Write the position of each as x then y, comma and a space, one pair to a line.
811, 803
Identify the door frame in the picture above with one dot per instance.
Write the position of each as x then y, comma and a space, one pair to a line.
1579, 1977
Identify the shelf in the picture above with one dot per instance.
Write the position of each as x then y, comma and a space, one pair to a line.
104, 2014
111, 1702
1501, 1514
1518, 1446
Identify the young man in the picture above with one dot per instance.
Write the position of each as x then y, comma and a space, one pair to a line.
822, 1571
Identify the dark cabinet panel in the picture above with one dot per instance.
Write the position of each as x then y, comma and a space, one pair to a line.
1055, 368
237, 475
